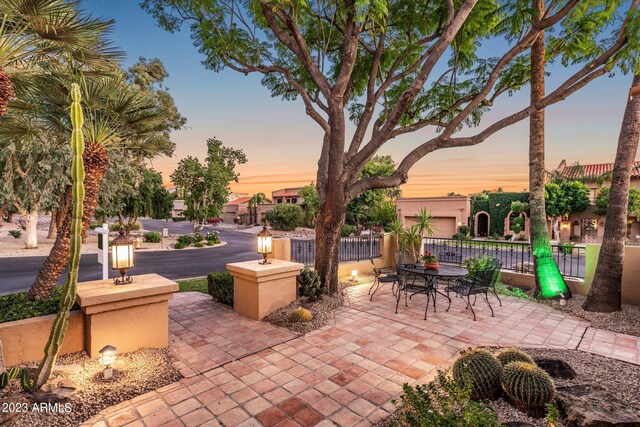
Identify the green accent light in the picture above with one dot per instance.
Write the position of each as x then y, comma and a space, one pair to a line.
551, 281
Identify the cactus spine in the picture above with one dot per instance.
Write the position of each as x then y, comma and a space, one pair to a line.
508, 355
528, 387
59, 327
482, 369
300, 315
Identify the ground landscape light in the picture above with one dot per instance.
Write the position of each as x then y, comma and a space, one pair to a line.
264, 244
107, 359
122, 257
354, 275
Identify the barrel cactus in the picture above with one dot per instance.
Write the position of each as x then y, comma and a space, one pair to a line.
482, 369
310, 286
528, 387
300, 315
508, 355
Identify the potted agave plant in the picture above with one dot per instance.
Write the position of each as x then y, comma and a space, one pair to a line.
430, 261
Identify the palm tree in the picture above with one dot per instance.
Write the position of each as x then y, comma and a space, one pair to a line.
605, 294
120, 117
256, 199
549, 281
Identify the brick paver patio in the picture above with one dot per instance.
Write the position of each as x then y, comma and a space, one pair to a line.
344, 374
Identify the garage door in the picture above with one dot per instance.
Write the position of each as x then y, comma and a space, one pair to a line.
442, 226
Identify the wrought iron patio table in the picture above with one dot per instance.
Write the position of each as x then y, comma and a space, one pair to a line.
431, 277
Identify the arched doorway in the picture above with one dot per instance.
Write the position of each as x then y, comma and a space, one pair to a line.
482, 224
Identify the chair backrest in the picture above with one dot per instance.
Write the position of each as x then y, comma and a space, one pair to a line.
497, 266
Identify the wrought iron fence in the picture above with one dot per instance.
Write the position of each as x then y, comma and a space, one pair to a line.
514, 255
351, 249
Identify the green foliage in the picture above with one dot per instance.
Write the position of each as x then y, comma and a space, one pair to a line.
198, 245
565, 198
136, 226
512, 291
508, 355
566, 248
482, 369
528, 387
374, 207
152, 237
497, 205
553, 415
180, 245
7, 376
602, 201
220, 286
285, 216
442, 402
16, 306
310, 286
347, 230
310, 204
15, 233
205, 187
464, 230
195, 238
474, 265
519, 207
300, 315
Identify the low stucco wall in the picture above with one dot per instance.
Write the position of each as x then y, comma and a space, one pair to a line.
527, 281
630, 272
24, 340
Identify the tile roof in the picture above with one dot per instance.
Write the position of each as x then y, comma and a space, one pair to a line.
595, 170
285, 195
239, 201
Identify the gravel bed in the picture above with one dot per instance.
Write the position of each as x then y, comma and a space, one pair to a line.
626, 321
619, 378
322, 312
134, 374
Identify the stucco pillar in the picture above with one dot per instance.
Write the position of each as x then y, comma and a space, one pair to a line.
260, 289
129, 317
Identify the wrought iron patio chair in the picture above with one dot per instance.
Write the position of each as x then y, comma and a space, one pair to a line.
476, 284
382, 276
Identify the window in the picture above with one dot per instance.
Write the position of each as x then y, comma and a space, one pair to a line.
279, 201
294, 200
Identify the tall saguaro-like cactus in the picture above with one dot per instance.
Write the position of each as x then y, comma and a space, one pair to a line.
60, 324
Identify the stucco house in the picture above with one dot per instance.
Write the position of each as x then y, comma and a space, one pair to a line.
287, 195
587, 226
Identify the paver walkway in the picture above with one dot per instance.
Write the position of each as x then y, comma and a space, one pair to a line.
343, 374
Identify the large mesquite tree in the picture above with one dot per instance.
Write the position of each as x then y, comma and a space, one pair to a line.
391, 67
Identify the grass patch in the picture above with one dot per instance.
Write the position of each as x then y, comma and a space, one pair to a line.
194, 285
16, 307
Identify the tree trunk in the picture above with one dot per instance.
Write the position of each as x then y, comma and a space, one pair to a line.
556, 229
52, 224
549, 281
31, 229
330, 220
96, 163
606, 288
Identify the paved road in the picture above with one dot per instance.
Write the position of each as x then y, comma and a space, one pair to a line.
17, 274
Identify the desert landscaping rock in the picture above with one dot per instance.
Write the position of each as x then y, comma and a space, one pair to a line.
591, 406
557, 368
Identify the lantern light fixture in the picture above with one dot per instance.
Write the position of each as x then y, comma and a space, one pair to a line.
354, 275
107, 359
122, 257
264, 245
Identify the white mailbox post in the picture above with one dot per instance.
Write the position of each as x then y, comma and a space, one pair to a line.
103, 249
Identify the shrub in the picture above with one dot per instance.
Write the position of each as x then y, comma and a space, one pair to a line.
152, 237
220, 287
482, 369
211, 236
512, 291
133, 227
508, 355
198, 245
464, 230
309, 285
180, 245
285, 216
508, 236
474, 265
186, 239
16, 306
300, 315
210, 243
566, 248
15, 233
348, 229
528, 387
442, 402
